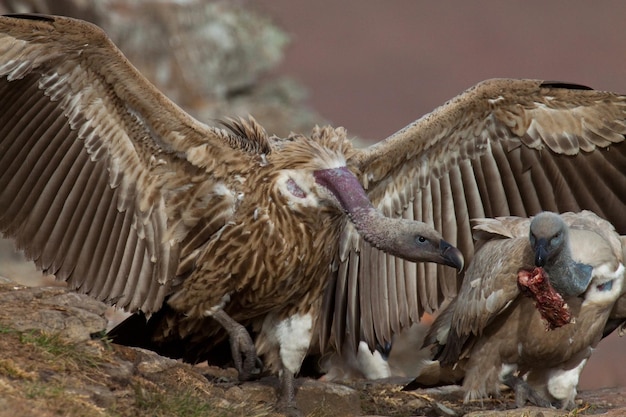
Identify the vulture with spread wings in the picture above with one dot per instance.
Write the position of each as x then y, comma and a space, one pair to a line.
214, 233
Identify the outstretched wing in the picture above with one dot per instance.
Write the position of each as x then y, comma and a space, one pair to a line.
504, 147
101, 176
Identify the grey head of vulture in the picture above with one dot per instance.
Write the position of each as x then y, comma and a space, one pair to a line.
110, 186
211, 232
549, 240
495, 334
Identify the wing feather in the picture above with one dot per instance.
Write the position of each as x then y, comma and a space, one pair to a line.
488, 288
494, 188
449, 230
462, 200
354, 293
471, 189
125, 254
383, 297
106, 259
502, 147
97, 166
400, 295
369, 296
393, 300
508, 182
83, 246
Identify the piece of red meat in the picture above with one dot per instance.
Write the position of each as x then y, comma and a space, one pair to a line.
551, 306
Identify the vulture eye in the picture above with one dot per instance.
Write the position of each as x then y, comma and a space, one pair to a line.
555, 240
420, 239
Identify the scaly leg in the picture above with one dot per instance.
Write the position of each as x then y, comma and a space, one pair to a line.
241, 345
287, 394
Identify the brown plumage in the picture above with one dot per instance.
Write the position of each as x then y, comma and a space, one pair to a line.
503, 147
495, 334
112, 187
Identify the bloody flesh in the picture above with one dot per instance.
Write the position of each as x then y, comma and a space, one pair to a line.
549, 303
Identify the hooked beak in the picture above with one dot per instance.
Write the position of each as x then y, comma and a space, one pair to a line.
451, 255
541, 252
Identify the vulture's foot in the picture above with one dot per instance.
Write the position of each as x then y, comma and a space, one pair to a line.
524, 393
241, 346
289, 410
286, 395
244, 354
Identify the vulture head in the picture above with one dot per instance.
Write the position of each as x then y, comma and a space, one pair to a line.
548, 237
411, 240
549, 240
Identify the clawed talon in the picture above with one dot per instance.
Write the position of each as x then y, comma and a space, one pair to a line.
241, 347
524, 393
288, 409
244, 354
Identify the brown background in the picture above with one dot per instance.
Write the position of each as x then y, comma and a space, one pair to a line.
374, 66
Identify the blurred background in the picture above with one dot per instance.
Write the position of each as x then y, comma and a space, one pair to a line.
374, 66
370, 66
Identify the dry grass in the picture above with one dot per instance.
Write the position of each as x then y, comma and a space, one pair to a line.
47, 375
42, 374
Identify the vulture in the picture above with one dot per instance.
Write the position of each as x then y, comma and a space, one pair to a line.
304, 243
534, 302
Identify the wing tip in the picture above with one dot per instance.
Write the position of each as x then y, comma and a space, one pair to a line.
565, 85
31, 16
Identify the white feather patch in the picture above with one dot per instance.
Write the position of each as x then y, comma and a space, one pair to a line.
507, 369
596, 293
562, 384
372, 364
294, 337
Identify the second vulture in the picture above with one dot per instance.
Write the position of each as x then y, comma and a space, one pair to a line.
534, 303
305, 241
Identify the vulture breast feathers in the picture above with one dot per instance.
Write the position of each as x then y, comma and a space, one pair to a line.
110, 186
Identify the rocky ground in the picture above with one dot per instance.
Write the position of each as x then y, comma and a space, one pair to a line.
56, 361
